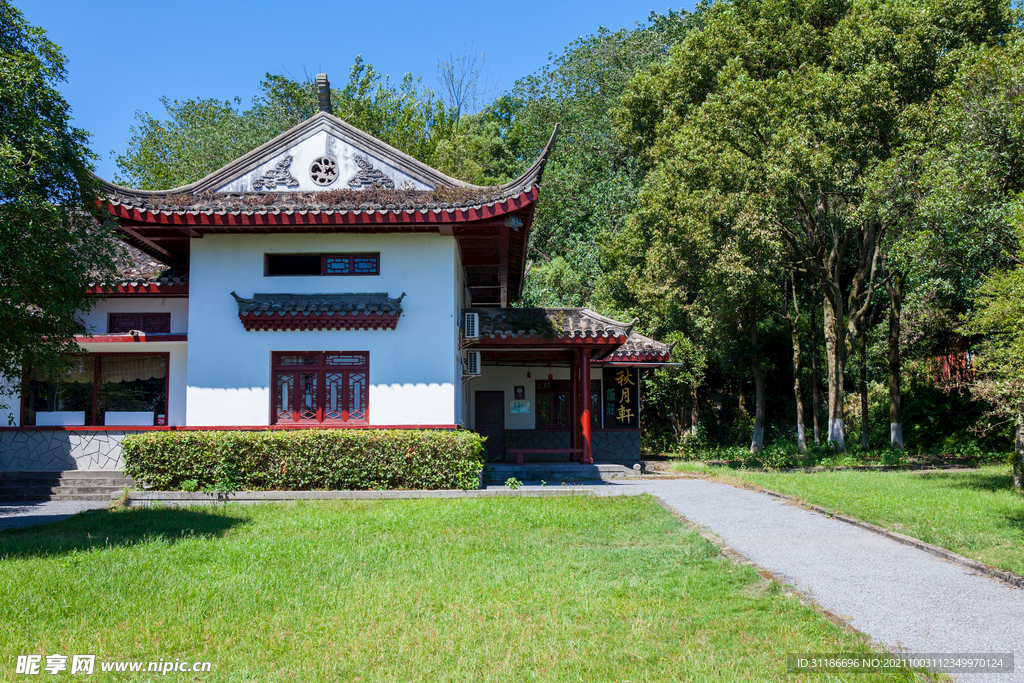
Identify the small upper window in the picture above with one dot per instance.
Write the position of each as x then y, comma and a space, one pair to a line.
147, 323
322, 264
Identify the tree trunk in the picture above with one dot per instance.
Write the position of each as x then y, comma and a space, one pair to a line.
1018, 462
815, 397
694, 412
677, 423
801, 433
895, 289
865, 444
757, 442
835, 354
794, 330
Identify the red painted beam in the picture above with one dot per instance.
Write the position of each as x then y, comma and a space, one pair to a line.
298, 321
119, 338
149, 289
495, 342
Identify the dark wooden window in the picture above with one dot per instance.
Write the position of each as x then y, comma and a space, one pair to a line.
311, 387
100, 387
148, 323
553, 404
322, 264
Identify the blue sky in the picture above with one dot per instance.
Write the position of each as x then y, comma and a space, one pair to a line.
124, 55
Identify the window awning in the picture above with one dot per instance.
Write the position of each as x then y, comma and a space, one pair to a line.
319, 311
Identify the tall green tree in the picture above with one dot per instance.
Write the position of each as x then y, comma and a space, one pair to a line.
810, 97
999, 363
591, 181
970, 195
52, 243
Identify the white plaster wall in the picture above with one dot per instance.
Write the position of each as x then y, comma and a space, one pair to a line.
506, 378
96, 319
304, 152
458, 301
412, 378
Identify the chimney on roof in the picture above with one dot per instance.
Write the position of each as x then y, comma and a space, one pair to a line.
323, 93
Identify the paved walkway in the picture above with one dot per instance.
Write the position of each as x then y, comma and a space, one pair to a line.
14, 515
902, 597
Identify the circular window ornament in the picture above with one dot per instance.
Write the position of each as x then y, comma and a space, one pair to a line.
324, 170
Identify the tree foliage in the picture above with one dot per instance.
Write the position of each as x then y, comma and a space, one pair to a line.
591, 181
766, 126
51, 242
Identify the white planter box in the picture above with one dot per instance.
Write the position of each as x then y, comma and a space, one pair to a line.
119, 418
61, 418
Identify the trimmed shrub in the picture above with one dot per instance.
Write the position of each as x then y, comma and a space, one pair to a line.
302, 460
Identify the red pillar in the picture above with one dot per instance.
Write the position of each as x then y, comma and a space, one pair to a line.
584, 393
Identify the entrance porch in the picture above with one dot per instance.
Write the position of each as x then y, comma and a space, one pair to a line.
558, 386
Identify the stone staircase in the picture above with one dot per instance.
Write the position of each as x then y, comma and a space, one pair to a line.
568, 472
67, 485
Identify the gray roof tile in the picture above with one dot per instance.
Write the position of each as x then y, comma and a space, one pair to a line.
319, 304
548, 323
641, 348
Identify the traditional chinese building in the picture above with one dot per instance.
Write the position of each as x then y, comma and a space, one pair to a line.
327, 280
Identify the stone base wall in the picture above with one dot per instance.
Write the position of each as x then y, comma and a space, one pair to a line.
58, 450
616, 444
611, 444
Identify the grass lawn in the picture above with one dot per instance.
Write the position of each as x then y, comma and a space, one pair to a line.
974, 513
565, 589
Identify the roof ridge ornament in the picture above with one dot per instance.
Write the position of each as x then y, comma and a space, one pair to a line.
323, 93
368, 176
279, 175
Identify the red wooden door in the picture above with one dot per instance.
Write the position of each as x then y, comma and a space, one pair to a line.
490, 422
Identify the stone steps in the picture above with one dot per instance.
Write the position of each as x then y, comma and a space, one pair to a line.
559, 472
68, 485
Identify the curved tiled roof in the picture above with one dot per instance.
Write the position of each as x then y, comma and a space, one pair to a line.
318, 304
138, 272
549, 323
315, 207
319, 311
201, 197
641, 349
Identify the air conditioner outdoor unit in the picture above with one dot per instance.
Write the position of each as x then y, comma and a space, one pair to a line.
471, 326
472, 363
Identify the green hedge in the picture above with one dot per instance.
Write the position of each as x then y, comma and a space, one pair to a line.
302, 460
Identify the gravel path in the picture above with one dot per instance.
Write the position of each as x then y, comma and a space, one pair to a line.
902, 597
14, 515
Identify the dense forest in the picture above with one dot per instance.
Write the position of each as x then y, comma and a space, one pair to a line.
819, 202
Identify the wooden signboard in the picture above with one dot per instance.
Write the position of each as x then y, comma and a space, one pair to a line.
621, 398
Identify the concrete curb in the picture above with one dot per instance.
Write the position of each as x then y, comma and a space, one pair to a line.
178, 498
1001, 574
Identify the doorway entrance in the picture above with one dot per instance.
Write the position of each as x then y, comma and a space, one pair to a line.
490, 422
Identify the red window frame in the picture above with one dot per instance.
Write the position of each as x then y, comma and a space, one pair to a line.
97, 372
562, 388
335, 264
320, 387
350, 264
147, 323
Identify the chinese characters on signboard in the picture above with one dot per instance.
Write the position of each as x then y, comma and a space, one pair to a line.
621, 398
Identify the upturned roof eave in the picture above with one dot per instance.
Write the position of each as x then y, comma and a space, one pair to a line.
324, 121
